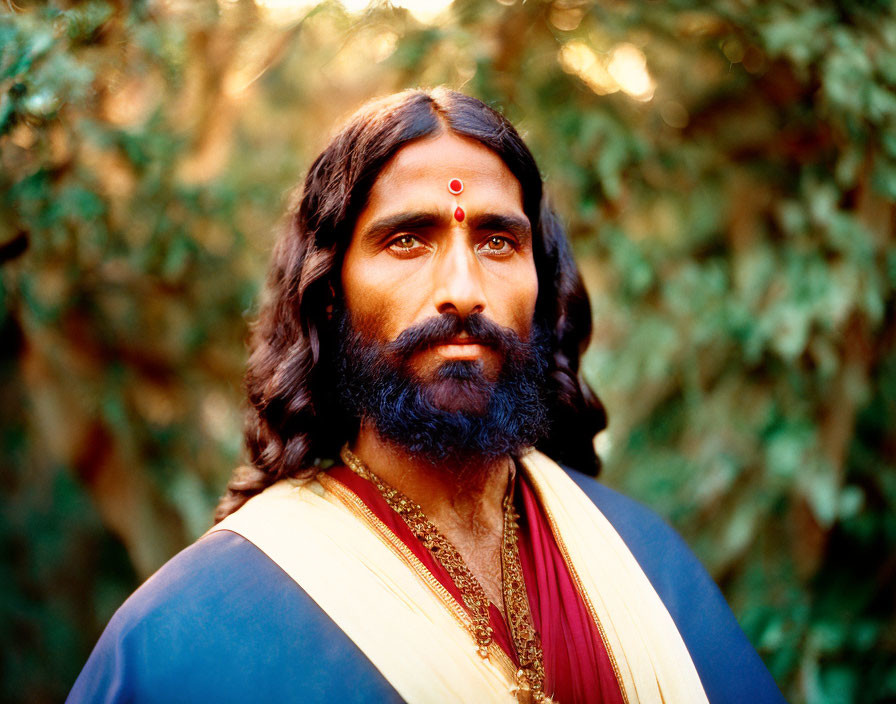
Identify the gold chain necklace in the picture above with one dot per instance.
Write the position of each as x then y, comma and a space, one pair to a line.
530, 676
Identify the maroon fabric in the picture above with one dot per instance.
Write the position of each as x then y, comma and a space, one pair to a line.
577, 668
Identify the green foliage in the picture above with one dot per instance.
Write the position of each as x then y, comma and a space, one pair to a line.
733, 217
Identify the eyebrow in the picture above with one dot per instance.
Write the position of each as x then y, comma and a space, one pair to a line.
402, 221
516, 225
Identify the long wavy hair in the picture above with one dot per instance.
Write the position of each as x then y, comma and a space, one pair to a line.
294, 422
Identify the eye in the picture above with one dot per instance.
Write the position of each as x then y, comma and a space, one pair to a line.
405, 244
496, 244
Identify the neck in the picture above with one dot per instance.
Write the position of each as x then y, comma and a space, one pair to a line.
460, 499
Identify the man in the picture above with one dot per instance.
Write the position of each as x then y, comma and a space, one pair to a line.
404, 532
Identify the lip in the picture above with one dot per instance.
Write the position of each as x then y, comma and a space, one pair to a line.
461, 349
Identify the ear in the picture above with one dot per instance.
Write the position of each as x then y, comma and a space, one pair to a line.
331, 299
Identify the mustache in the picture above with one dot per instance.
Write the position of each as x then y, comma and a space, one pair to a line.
448, 326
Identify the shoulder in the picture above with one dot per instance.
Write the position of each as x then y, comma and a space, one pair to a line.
652, 541
729, 667
221, 622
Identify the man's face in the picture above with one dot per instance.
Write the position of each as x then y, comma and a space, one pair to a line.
437, 346
413, 258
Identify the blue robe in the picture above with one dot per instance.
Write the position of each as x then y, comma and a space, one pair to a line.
221, 622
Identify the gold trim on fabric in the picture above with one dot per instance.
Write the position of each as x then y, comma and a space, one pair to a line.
357, 506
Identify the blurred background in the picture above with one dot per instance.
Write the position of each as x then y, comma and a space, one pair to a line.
726, 170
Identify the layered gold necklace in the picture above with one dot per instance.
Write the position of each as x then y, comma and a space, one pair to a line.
530, 676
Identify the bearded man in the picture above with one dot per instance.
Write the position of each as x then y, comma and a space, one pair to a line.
416, 523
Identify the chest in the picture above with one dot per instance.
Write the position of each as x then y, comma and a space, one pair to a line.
482, 556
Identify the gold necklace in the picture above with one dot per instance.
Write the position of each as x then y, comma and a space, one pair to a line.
530, 676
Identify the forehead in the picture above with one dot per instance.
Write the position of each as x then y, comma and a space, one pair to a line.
430, 163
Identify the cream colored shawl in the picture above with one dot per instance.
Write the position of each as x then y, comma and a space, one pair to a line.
374, 588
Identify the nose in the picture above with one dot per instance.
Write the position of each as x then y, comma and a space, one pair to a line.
458, 280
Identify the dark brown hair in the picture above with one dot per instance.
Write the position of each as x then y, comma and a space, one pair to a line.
294, 421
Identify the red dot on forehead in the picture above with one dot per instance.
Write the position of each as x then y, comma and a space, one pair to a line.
455, 185
459, 214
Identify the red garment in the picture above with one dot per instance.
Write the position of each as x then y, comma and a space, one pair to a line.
577, 667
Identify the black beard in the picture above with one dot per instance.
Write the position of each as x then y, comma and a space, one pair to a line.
459, 416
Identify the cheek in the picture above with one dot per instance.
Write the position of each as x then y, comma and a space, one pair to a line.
363, 309
367, 320
524, 298
373, 302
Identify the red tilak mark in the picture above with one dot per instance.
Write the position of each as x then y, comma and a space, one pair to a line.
459, 214
455, 186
